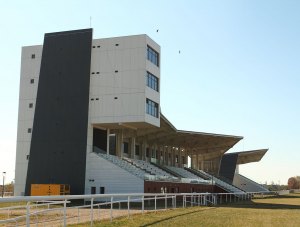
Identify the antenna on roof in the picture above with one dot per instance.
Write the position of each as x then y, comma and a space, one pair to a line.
90, 21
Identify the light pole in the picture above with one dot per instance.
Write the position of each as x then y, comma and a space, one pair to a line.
3, 174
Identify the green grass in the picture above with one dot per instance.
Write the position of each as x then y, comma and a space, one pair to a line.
274, 211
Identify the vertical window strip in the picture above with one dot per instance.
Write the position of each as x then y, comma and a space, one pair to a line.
151, 108
152, 55
152, 81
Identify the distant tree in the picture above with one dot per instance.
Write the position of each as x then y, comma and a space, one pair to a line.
293, 183
9, 187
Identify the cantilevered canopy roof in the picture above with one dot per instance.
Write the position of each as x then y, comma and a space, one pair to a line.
250, 156
207, 144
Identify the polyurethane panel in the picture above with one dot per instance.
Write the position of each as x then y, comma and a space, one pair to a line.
59, 135
228, 165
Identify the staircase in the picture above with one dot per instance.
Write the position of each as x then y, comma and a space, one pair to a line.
247, 184
184, 173
150, 168
124, 165
166, 169
220, 183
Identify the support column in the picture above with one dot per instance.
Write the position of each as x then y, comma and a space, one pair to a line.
197, 158
174, 156
179, 158
119, 150
156, 152
144, 147
107, 140
132, 147
165, 155
192, 160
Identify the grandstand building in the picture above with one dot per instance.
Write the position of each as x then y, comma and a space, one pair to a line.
89, 116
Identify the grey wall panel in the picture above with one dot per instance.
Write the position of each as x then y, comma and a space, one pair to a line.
228, 165
59, 135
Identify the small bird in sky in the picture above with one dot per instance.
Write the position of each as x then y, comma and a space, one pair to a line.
179, 51
157, 30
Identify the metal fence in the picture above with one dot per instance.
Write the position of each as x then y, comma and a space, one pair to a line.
72, 209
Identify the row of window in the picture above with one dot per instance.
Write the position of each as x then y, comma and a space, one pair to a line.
126, 148
151, 108
152, 56
117, 44
152, 81
92, 99
116, 71
94, 191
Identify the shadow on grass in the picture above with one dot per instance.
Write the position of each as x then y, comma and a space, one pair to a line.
288, 196
254, 205
176, 216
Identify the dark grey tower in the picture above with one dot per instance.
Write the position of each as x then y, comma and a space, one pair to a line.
59, 134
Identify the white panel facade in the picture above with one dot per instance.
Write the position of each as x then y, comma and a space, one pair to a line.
103, 173
30, 69
118, 80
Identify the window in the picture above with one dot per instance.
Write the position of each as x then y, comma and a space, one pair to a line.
152, 55
33, 56
27, 157
93, 190
137, 150
153, 153
176, 158
152, 81
151, 108
29, 130
125, 147
32, 81
30, 105
102, 190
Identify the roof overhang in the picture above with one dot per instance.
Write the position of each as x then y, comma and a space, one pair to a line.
249, 156
209, 145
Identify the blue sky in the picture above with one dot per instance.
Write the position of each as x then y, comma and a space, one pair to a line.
237, 73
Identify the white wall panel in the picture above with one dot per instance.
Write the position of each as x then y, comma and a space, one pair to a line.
113, 178
128, 84
30, 69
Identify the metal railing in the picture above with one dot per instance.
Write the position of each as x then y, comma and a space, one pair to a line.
72, 209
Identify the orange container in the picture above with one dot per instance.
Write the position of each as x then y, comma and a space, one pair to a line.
49, 189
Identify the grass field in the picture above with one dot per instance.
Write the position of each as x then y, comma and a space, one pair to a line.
276, 211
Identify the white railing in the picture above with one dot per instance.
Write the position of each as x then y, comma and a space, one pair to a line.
63, 210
